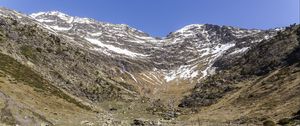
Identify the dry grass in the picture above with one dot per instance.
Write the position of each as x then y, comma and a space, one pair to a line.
24, 101
25, 75
256, 100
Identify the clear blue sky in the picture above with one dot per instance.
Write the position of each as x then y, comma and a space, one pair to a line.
159, 17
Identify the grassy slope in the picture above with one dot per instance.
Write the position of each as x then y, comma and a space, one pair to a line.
257, 100
23, 104
24, 74
24, 94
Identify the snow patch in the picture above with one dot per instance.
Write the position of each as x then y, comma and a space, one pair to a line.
101, 50
60, 15
82, 20
145, 37
71, 19
34, 15
266, 37
61, 28
183, 72
114, 49
44, 20
170, 76
3, 15
188, 27
205, 52
136, 41
222, 47
96, 34
239, 50
216, 52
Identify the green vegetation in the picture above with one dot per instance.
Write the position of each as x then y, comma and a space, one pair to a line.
24, 74
269, 123
2, 36
291, 121
29, 52
284, 121
104, 89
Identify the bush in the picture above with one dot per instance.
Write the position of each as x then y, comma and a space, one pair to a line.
28, 52
269, 123
2, 37
284, 121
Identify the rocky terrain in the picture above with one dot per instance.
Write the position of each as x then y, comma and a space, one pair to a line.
57, 69
260, 84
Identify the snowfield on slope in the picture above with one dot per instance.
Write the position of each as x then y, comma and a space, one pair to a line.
114, 49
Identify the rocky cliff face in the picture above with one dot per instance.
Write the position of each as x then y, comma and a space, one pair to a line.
97, 62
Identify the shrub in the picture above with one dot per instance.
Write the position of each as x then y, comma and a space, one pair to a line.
269, 123
2, 37
28, 52
284, 121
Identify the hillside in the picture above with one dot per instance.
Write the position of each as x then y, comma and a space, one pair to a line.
58, 69
263, 84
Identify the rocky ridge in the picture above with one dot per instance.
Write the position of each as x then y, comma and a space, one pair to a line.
176, 56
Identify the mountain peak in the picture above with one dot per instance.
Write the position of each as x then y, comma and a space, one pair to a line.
54, 13
189, 27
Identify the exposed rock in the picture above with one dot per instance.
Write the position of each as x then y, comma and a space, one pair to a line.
260, 60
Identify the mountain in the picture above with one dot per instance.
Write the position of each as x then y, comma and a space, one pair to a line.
264, 81
197, 44
118, 75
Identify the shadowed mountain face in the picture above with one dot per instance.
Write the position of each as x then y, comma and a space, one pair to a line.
97, 67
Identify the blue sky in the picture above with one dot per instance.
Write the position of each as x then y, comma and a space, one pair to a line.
159, 17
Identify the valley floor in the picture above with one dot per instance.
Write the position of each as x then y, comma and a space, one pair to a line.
23, 104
